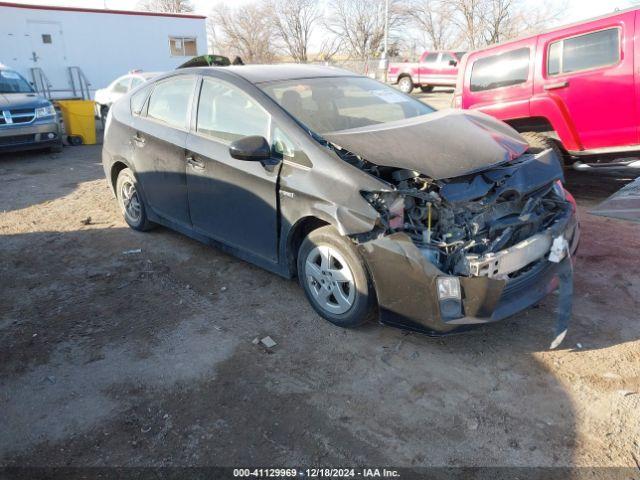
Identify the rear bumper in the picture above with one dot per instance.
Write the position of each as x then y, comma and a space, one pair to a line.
35, 135
405, 285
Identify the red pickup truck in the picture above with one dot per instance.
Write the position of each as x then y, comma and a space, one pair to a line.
575, 89
435, 69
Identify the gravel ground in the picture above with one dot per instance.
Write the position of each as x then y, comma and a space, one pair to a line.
137, 359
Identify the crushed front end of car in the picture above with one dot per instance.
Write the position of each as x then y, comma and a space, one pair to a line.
462, 242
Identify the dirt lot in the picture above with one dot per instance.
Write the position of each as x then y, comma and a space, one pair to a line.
108, 358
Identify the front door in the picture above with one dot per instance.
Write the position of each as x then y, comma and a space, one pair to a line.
159, 140
232, 201
48, 52
590, 75
448, 68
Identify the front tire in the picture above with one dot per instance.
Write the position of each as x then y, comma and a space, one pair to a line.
56, 148
539, 142
131, 203
335, 279
405, 84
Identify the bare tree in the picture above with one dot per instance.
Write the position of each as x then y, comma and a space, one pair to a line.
468, 17
294, 22
359, 24
485, 22
246, 31
168, 6
329, 48
434, 19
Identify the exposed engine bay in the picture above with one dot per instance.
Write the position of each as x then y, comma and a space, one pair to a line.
460, 224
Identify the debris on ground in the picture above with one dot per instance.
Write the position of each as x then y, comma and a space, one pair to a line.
268, 342
255, 341
132, 252
86, 221
223, 289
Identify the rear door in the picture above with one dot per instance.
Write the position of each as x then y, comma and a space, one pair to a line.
230, 200
448, 68
589, 71
500, 81
159, 140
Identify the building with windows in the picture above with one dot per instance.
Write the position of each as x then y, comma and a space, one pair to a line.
71, 52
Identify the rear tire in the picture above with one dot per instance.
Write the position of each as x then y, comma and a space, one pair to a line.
335, 280
539, 142
405, 84
426, 88
131, 203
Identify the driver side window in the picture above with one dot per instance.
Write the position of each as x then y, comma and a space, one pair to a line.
227, 113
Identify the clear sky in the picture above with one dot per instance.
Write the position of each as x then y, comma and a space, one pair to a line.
577, 9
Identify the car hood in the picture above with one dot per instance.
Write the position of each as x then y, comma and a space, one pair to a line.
444, 144
21, 100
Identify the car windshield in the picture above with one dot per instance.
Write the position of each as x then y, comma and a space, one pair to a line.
340, 103
12, 82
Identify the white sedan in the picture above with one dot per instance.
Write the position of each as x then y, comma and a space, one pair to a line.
105, 97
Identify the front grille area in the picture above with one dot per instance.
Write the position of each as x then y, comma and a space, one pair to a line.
17, 116
17, 140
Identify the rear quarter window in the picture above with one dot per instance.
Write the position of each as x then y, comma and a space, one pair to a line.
502, 70
584, 52
138, 100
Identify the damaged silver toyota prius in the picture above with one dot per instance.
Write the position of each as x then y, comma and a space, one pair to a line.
381, 206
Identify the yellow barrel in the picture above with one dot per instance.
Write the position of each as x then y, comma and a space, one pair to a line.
79, 119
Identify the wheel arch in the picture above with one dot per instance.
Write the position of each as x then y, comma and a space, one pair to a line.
303, 227
531, 124
114, 171
541, 125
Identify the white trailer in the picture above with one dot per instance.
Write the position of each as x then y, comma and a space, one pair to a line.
71, 52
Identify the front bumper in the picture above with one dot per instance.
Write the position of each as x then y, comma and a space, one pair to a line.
405, 284
34, 135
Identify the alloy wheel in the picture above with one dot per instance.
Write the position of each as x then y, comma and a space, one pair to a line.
330, 280
406, 85
130, 201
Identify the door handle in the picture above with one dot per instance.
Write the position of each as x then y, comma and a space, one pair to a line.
197, 164
555, 86
139, 140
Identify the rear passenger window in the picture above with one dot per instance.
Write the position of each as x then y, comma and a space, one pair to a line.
227, 113
593, 50
504, 70
122, 86
169, 102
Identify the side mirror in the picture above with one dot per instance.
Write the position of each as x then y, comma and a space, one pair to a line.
453, 63
252, 149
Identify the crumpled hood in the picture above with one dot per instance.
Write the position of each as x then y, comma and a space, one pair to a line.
444, 144
21, 100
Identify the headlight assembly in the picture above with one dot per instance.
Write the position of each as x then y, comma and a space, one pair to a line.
44, 112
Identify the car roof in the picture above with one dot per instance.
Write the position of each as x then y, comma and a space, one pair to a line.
281, 72
147, 75
558, 28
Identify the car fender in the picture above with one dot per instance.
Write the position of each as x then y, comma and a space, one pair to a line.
553, 108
